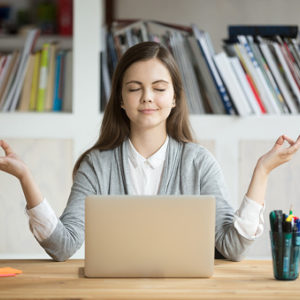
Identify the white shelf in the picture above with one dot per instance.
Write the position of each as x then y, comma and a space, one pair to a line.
60, 124
252, 127
7, 43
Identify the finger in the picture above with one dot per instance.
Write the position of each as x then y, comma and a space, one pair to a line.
294, 147
7, 149
289, 140
279, 141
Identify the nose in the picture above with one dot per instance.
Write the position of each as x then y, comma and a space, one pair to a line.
147, 96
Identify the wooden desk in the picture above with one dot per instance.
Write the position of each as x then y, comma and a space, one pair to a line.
45, 279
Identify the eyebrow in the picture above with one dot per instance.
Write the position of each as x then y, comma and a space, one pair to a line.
138, 82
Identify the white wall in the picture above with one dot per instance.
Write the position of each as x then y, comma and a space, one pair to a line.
212, 15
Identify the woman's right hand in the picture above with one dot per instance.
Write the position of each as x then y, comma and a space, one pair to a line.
11, 163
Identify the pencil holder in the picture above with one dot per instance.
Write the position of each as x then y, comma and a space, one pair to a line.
285, 254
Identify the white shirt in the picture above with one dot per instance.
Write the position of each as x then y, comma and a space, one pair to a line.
146, 177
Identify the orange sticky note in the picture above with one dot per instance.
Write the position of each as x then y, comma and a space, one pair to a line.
9, 270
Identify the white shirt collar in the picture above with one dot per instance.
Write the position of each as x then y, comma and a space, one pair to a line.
155, 160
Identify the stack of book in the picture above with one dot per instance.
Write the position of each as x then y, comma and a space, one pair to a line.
36, 79
257, 73
261, 69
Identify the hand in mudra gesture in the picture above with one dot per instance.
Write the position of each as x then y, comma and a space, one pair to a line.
279, 154
10, 162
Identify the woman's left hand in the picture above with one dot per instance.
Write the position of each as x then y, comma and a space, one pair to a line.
278, 154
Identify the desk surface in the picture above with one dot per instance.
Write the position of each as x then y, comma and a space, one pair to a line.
46, 279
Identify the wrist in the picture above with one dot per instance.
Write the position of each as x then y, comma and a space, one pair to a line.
261, 170
24, 176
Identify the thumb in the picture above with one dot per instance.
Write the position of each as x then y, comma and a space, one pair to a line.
279, 142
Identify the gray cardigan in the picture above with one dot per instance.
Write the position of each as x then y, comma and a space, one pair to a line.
188, 169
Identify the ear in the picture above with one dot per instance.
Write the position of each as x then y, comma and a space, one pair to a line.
174, 103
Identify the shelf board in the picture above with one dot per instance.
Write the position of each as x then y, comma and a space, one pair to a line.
8, 43
64, 125
32, 124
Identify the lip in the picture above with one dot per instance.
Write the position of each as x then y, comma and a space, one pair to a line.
147, 111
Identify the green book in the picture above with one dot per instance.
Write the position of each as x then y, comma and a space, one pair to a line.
40, 104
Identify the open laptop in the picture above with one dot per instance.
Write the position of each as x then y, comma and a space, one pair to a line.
149, 236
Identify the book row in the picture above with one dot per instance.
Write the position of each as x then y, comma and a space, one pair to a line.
253, 75
36, 79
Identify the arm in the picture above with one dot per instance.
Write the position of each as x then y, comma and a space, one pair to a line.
269, 161
228, 242
68, 234
12, 164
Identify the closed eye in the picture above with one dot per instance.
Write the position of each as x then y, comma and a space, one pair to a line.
133, 90
160, 90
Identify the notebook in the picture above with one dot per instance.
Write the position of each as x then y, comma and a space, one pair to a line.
149, 236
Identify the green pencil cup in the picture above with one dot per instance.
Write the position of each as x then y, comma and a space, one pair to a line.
285, 248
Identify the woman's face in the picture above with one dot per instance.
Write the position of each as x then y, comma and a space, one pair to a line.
147, 94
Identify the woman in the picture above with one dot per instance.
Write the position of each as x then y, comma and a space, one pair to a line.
146, 147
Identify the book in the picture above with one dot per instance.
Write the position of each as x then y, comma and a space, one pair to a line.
13, 96
289, 76
182, 56
270, 78
26, 89
267, 31
59, 69
5, 62
68, 83
271, 84
232, 83
234, 50
40, 102
214, 73
266, 50
205, 79
8, 80
65, 17
245, 85
35, 81
50, 78
267, 96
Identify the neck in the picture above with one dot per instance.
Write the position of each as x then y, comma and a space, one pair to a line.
148, 142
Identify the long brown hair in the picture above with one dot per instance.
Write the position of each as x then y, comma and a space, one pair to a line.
115, 127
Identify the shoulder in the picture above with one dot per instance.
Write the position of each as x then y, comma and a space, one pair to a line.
196, 151
199, 156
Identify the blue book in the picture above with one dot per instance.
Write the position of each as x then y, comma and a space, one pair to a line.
200, 37
267, 31
57, 97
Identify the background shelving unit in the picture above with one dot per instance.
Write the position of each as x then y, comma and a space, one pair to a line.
236, 142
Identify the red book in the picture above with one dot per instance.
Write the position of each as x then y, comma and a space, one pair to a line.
65, 17
257, 97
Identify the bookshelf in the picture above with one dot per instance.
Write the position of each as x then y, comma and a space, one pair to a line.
222, 134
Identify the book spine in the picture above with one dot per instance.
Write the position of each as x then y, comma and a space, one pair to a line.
57, 101
40, 104
65, 17
269, 100
215, 75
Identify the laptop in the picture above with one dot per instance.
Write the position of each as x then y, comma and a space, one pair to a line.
149, 236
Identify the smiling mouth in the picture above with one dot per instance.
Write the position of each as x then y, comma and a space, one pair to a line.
148, 111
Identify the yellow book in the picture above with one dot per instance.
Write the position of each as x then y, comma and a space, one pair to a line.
40, 102
35, 80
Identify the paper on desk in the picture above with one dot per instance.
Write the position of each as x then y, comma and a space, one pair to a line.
8, 271
7, 275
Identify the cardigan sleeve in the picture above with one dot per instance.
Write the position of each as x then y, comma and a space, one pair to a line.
228, 241
68, 235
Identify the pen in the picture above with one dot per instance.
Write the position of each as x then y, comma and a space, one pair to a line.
278, 241
295, 252
287, 234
